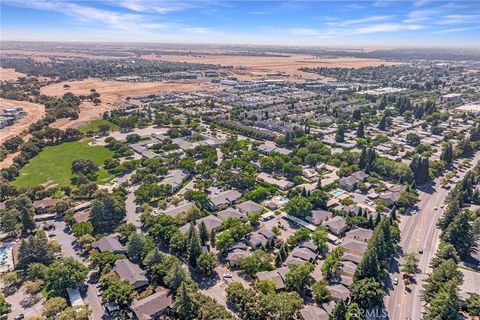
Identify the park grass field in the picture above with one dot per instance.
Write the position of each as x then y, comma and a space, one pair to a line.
52, 166
93, 125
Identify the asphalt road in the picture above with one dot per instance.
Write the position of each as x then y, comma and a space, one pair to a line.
419, 231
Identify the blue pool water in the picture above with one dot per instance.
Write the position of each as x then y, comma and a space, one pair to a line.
337, 192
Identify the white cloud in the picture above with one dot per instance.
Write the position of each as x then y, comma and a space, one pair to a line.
459, 19
386, 27
154, 6
456, 30
303, 32
197, 30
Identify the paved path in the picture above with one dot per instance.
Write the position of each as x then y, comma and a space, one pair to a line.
419, 231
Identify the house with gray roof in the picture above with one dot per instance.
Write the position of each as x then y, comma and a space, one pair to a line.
224, 198
305, 252
249, 207
359, 234
174, 178
354, 246
110, 243
236, 252
350, 182
176, 210
336, 225
259, 238
277, 276
130, 272
153, 306
312, 312
319, 216
231, 213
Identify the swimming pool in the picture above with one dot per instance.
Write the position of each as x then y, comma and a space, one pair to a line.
337, 192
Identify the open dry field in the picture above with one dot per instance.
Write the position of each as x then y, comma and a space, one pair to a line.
10, 74
112, 92
34, 113
290, 64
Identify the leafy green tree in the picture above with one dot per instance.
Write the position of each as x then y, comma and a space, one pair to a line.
104, 259
339, 312
299, 207
283, 305
368, 293
185, 304
445, 252
320, 291
77, 313
331, 265
65, 273
410, 263
119, 291
445, 304
35, 248
206, 263
265, 286
320, 237
24, 205
107, 213
54, 306
5, 307
136, 245
258, 261
445, 272
153, 257
298, 278
460, 234
473, 305
299, 236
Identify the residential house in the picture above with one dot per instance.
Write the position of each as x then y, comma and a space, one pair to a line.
350, 182
81, 216
305, 252
153, 306
175, 178
249, 207
236, 252
259, 238
359, 234
277, 276
319, 216
130, 272
280, 183
336, 225
312, 312
109, 243
224, 198
211, 223
354, 246
231, 213
339, 291
392, 195
42, 206
176, 210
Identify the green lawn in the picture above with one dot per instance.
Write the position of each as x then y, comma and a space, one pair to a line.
93, 125
52, 166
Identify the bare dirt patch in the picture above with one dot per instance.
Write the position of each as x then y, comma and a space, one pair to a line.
34, 112
10, 74
255, 65
112, 92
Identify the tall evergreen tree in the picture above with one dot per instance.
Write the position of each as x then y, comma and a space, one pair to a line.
339, 312
447, 153
185, 304
194, 247
460, 234
203, 233
361, 130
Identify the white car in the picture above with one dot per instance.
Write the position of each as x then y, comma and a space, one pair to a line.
227, 275
395, 281
436, 208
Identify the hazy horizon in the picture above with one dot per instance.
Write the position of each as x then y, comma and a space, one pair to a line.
348, 24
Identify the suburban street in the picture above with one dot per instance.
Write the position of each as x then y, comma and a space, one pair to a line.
419, 231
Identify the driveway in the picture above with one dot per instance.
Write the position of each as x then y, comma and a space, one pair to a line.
22, 303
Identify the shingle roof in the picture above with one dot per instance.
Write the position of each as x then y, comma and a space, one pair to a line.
130, 272
152, 305
109, 243
227, 213
249, 206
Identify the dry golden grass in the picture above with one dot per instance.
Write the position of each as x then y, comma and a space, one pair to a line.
34, 113
10, 74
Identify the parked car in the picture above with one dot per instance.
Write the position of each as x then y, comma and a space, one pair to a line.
420, 250
227, 275
395, 281
19, 317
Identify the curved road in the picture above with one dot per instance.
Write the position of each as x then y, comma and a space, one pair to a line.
419, 231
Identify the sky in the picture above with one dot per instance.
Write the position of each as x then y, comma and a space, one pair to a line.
376, 23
